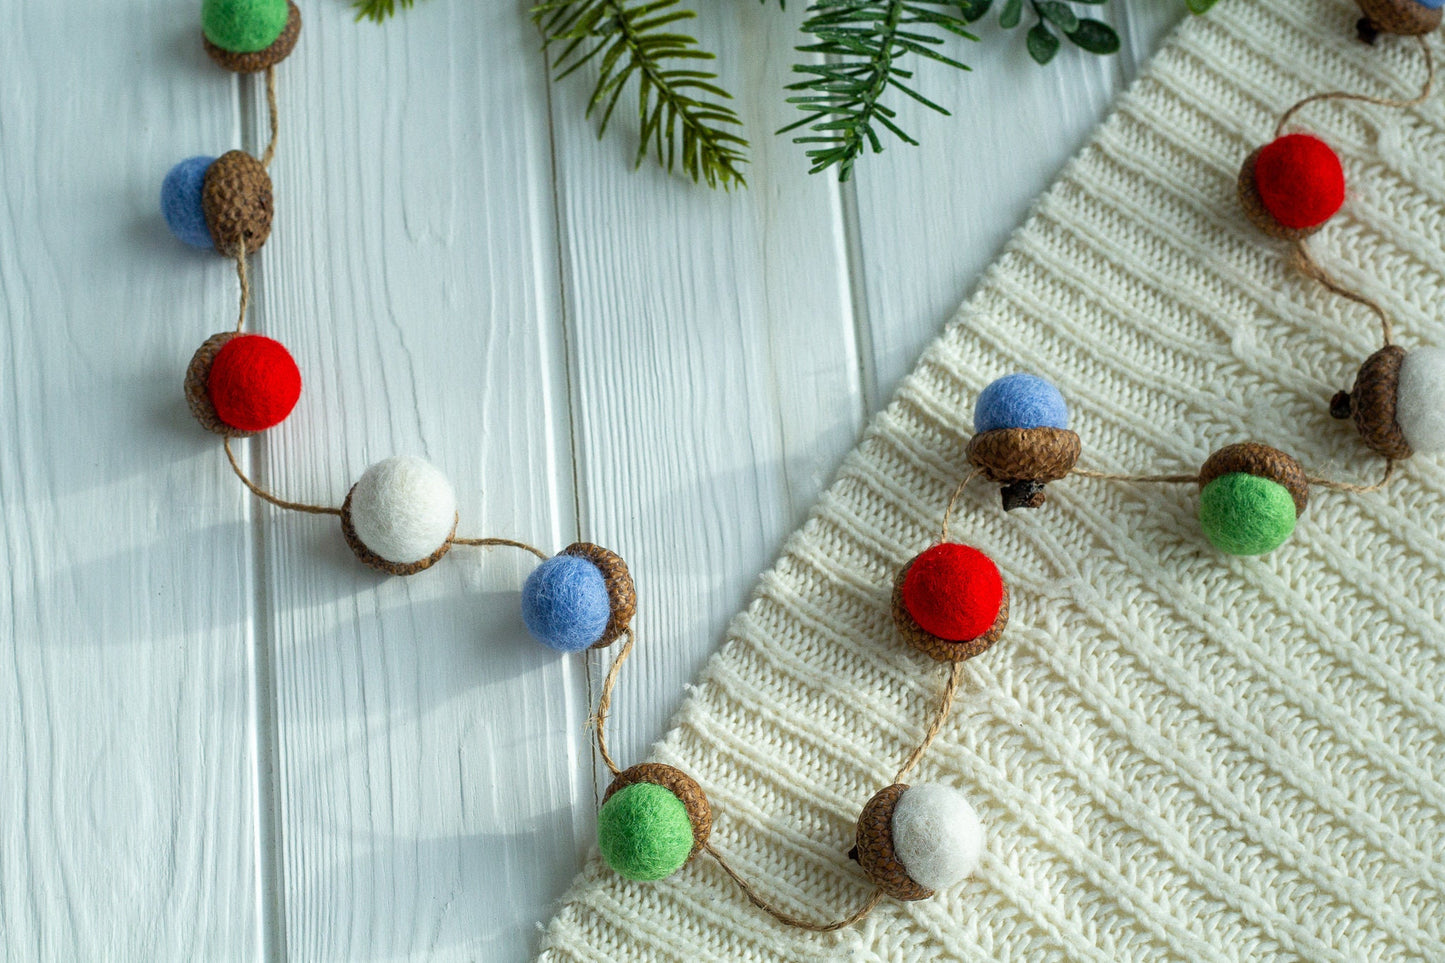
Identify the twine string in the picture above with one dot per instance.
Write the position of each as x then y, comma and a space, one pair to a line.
945, 706
953, 502
243, 275
1147, 479
1305, 263
504, 542
783, 916
604, 703
267, 496
1365, 98
1341, 486
273, 116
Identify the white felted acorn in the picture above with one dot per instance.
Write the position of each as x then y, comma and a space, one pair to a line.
913, 840
1420, 400
401, 516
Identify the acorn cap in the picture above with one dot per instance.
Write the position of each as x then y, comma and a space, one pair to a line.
1253, 204
1252, 458
236, 199
1007, 455
198, 373
621, 592
681, 785
258, 60
1404, 17
358, 547
1372, 403
875, 853
933, 646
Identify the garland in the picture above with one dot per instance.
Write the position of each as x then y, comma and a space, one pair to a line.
950, 601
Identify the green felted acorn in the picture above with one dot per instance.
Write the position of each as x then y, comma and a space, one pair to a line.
1250, 499
654, 818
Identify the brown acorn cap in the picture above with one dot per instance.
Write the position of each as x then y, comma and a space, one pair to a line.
258, 60
875, 853
236, 199
348, 532
1404, 17
621, 592
1372, 402
1254, 208
198, 372
931, 645
1007, 455
681, 785
1252, 458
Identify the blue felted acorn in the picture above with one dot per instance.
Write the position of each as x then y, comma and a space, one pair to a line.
1023, 440
219, 203
581, 598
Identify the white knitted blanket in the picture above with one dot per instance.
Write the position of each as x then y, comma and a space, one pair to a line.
1177, 755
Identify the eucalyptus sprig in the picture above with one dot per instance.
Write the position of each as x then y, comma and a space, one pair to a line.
865, 43
378, 10
1095, 36
681, 110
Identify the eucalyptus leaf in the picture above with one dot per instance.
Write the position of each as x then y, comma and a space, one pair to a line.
1095, 36
1058, 13
1042, 43
974, 10
1013, 11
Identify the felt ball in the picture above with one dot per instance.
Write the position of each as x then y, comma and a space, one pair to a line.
1244, 514
953, 591
181, 202
243, 26
1300, 180
403, 510
1020, 401
644, 832
253, 383
565, 603
1420, 400
937, 835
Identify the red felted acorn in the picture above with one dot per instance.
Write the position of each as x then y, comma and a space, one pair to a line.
950, 602
1291, 186
239, 384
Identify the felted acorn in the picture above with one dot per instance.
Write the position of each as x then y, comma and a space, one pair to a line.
1398, 402
401, 516
248, 36
1250, 497
950, 602
913, 840
654, 818
219, 203
581, 598
239, 384
1409, 18
1291, 186
1022, 438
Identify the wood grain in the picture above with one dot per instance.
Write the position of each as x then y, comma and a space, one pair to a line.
127, 630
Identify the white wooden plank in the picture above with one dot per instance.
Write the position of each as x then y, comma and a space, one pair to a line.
127, 809
931, 218
714, 356
429, 754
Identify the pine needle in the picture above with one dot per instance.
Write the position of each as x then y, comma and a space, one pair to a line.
862, 41
379, 10
681, 111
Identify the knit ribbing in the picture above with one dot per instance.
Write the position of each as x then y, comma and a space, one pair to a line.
1177, 755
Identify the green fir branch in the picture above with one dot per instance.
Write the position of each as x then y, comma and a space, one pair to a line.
862, 43
379, 10
681, 111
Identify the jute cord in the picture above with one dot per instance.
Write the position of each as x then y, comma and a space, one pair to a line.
1365, 98
273, 117
783, 916
243, 275
945, 706
1305, 263
502, 542
604, 703
267, 496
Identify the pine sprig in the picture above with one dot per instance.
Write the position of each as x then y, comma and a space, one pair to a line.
378, 10
683, 118
863, 41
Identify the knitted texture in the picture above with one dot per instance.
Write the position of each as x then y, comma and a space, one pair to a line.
565, 603
1177, 755
643, 832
